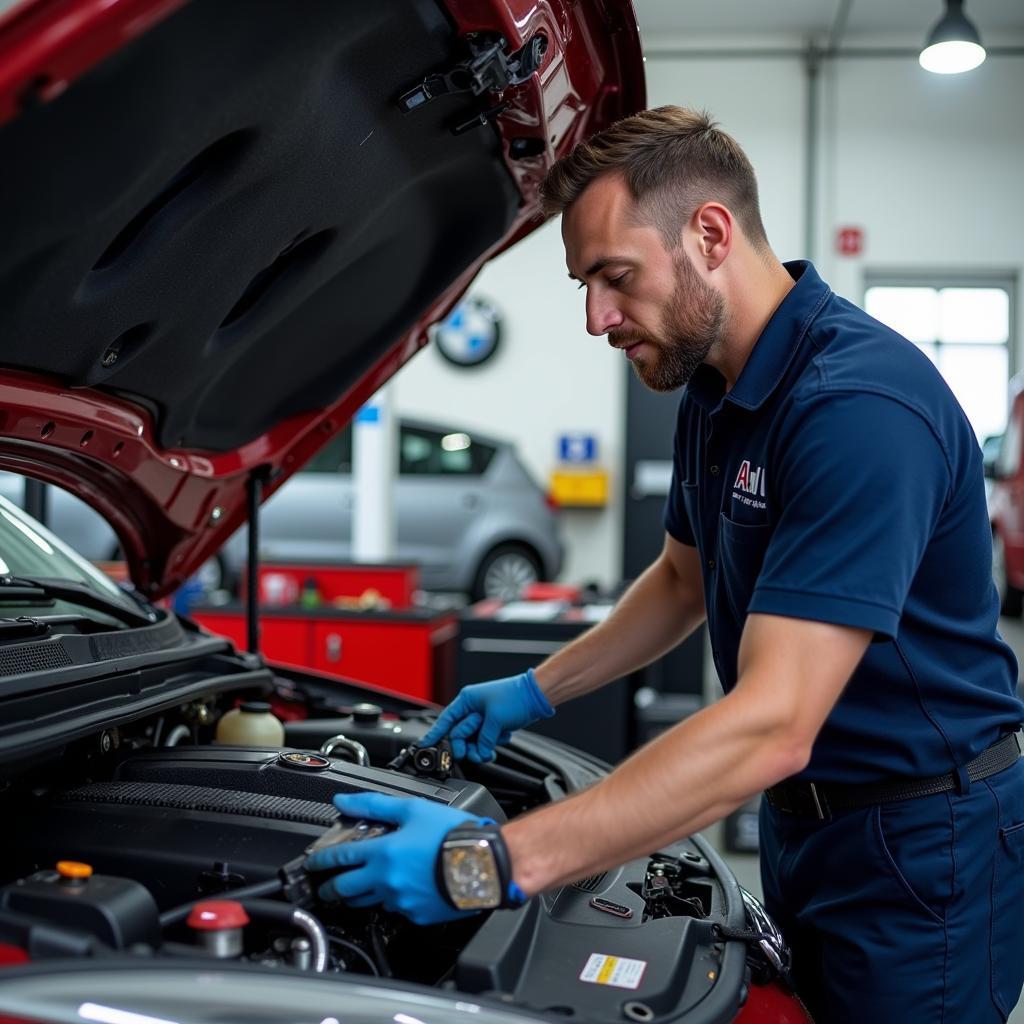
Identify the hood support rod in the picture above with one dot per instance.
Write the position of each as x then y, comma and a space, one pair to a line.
254, 494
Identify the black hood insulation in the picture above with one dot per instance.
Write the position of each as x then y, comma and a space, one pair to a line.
230, 220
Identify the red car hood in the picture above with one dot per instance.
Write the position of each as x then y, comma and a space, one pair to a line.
226, 224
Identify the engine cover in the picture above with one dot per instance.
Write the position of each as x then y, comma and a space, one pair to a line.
566, 953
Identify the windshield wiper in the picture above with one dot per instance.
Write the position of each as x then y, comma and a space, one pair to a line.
22, 626
74, 593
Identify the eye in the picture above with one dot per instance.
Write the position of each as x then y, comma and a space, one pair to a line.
616, 282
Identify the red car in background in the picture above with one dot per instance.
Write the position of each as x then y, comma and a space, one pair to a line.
225, 224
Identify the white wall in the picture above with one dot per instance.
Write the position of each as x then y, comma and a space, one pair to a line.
931, 168
761, 103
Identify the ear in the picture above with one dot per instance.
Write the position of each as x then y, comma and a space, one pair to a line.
714, 227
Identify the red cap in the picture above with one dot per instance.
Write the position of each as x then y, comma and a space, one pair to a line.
10, 955
217, 916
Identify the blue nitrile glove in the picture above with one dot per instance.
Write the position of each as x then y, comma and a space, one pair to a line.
397, 869
486, 714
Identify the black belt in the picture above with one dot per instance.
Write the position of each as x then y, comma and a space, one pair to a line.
819, 800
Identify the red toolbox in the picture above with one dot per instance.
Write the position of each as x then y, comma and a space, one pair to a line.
391, 584
412, 651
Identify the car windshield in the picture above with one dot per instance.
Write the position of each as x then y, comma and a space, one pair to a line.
29, 550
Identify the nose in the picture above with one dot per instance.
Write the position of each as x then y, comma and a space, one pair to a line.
602, 312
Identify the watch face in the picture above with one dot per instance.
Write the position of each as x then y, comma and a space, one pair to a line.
471, 875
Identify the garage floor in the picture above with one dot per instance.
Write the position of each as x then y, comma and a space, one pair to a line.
745, 865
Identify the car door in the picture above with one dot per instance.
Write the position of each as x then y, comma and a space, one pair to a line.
439, 494
310, 517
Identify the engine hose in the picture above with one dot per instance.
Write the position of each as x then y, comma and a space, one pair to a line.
301, 919
177, 734
305, 921
379, 951
351, 947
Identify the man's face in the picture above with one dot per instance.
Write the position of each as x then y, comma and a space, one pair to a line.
650, 301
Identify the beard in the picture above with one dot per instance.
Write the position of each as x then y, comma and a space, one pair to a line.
693, 321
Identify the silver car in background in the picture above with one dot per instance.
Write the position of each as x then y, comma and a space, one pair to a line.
467, 512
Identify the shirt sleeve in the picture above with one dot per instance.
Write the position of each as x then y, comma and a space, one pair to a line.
676, 519
861, 480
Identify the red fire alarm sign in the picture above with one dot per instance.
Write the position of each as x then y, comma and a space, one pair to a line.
850, 241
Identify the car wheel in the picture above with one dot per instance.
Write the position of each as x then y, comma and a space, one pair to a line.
505, 572
1011, 600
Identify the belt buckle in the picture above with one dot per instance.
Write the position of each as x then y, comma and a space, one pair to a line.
821, 807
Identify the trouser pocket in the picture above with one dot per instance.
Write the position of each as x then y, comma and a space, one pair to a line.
1007, 952
915, 844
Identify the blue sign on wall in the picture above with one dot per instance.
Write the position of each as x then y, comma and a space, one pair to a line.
579, 448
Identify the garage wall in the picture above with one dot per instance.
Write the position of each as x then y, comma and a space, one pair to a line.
760, 102
930, 168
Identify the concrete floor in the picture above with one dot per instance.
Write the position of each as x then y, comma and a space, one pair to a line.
744, 866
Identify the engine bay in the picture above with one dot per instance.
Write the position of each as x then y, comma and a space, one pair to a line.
128, 837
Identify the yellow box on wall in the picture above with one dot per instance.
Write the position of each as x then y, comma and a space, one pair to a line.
580, 488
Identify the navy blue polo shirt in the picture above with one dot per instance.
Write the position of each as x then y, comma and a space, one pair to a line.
840, 481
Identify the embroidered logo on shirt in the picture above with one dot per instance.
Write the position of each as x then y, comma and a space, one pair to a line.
751, 483
750, 480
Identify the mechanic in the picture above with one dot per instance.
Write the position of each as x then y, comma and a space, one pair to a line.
827, 518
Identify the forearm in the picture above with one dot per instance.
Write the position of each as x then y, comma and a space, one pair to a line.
689, 777
655, 614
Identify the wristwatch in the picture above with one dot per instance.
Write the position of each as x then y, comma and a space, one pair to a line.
474, 871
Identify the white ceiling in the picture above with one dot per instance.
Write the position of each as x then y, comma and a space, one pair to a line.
815, 17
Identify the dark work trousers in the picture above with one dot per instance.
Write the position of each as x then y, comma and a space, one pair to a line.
904, 913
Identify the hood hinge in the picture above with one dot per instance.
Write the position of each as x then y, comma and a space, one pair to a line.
489, 69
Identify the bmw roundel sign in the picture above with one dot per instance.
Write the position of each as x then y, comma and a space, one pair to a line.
471, 332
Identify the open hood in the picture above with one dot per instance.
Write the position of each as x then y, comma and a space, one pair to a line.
226, 223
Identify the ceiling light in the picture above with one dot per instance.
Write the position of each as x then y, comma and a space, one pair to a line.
954, 44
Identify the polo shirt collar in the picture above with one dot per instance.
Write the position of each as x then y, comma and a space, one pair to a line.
773, 350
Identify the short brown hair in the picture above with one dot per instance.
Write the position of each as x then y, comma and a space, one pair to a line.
672, 160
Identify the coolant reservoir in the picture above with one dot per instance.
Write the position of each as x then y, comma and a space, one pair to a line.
252, 724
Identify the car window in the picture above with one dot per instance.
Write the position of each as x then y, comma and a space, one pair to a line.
421, 452
335, 456
436, 453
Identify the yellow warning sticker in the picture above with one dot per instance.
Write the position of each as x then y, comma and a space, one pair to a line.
618, 971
